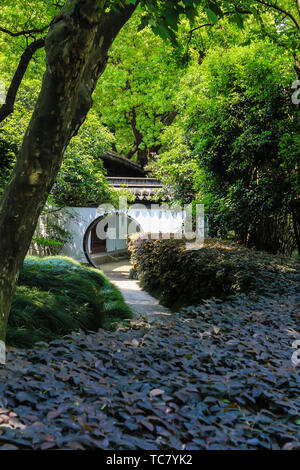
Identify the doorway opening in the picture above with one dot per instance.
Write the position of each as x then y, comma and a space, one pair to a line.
106, 237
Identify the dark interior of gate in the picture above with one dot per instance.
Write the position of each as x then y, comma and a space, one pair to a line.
107, 237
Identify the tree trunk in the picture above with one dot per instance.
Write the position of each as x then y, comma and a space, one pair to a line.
76, 55
142, 154
296, 225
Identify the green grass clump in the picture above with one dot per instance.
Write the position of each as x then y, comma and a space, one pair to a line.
56, 296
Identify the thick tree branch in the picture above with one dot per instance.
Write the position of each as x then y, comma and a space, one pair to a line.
28, 32
7, 108
226, 13
297, 65
191, 32
132, 151
281, 10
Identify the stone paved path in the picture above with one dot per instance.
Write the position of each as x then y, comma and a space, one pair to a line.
140, 301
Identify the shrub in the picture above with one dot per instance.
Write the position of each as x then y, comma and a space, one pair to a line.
56, 295
220, 269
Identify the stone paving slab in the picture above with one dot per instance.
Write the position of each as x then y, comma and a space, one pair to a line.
138, 300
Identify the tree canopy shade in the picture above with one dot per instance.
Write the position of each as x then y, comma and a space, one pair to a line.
277, 21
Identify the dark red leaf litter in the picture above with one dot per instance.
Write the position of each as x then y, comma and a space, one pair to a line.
216, 376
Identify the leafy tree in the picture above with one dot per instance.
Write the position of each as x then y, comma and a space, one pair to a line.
134, 97
277, 21
13, 128
82, 176
237, 122
26, 24
137, 91
176, 167
81, 179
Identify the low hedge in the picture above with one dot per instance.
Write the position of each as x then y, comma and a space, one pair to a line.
219, 269
56, 296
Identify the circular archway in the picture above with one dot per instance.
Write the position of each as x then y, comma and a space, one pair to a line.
107, 235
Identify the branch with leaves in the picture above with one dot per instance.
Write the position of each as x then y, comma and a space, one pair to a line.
281, 10
7, 108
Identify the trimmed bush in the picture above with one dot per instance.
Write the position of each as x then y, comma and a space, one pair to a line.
220, 269
56, 296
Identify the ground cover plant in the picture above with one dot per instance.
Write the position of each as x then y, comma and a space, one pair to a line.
216, 376
220, 269
56, 296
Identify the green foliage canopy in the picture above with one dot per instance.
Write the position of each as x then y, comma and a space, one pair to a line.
239, 130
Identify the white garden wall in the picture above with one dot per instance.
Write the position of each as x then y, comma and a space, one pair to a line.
154, 221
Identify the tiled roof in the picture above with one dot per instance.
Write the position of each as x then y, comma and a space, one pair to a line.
144, 189
116, 158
